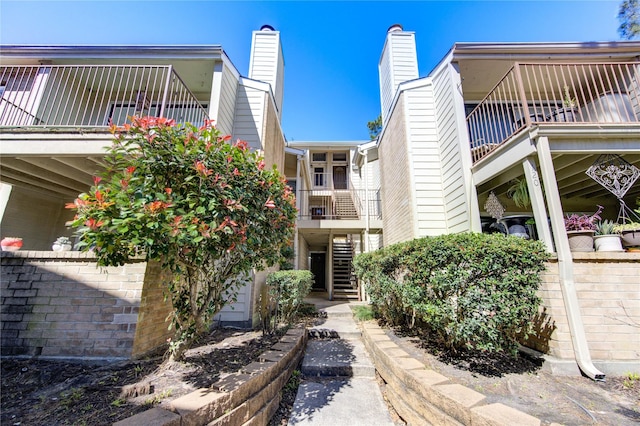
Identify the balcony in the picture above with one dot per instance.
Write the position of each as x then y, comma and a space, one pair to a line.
337, 204
93, 96
551, 94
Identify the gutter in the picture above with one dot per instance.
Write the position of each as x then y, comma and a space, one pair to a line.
565, 262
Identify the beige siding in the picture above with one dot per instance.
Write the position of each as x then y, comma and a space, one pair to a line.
424, 151
453, 179
397, 200
273, 141
227, 104
303, 253
250, 106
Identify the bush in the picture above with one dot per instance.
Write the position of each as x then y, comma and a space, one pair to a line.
287, 290
473, 291
211, 211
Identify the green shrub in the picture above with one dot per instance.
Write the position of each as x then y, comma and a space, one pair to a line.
473, 291
288, 290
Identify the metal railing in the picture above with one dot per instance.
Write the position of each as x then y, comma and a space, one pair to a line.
93, 95
554, 93
320, 204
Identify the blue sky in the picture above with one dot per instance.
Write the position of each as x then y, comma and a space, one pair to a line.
331, 48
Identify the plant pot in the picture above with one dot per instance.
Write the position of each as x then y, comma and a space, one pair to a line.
10, 244
564, 115
61, 247
580, 241
631, 238
610, 242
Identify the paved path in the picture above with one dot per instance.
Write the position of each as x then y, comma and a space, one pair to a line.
339, 385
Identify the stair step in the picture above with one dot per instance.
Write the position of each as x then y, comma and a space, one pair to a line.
348, 359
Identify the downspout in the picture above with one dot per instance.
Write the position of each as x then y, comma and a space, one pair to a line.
296, 243
565, 262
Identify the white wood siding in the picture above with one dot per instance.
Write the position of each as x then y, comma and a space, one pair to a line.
454, 192
267, 62
249, 115
422, 135
226, 108
399, 63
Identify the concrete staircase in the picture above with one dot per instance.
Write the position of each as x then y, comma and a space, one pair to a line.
345, 285
339, 385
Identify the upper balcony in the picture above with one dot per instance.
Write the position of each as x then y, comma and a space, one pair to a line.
575, 94
93, 96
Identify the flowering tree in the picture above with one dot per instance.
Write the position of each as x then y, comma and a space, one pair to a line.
208, 210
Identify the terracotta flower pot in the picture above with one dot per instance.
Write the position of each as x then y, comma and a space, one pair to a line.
11, 244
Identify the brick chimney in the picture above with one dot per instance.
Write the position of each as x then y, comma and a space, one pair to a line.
398, 63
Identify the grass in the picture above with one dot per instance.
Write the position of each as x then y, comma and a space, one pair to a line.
363, 313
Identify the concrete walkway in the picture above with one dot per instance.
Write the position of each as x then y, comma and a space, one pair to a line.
339, 385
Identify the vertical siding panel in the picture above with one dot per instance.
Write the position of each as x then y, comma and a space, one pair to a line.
454, 192
425, 160
228, 94
248, 118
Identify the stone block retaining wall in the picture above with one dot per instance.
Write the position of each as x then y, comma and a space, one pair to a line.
421, 396
249, 397
60, 304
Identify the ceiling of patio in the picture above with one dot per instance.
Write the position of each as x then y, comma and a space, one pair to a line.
61, 176
573, 182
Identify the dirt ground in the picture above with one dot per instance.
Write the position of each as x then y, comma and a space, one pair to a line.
38, 392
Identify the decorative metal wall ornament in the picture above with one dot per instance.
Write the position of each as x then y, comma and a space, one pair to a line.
614, 173
493, 206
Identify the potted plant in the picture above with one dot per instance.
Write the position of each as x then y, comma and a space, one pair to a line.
580, 230
630, 234
11, 243
569, 108
61, 244
519, 193
606, 238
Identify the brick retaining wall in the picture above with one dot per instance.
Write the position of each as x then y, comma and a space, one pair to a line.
608, 289
59, 304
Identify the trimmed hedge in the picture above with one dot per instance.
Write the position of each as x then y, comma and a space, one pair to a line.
474, 291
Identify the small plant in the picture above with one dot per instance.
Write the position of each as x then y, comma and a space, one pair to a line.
582, 222
630, 380
118, 402
294, 381
62, 241
606, 227
568, 101
630, 226
70, 398
519, 193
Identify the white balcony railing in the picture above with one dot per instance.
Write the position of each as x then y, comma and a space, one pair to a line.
93, 95
339, 204
548, 94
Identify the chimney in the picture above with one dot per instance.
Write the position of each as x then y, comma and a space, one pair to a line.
267, 62
398, 63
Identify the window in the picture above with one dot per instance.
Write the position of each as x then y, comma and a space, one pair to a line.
318, 176
340, 156
319, 156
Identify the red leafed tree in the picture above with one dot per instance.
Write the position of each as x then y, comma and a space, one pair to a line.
207, 209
